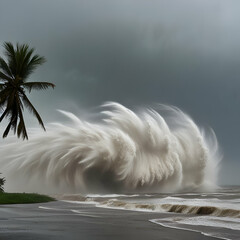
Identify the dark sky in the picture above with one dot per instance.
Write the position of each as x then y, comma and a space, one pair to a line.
184, 53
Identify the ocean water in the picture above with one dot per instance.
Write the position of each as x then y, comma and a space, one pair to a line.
150, 150
145, 153
215, 214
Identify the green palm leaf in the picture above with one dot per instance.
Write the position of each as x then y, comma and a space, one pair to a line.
31, 108
4, 77
5, 68
32, 64
20, 62
10, 54
37, 85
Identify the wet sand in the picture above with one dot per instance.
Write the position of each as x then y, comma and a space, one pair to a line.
64, 220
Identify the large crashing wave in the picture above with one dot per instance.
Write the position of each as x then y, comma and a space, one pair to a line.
123, 153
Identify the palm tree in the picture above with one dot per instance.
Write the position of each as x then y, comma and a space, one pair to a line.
14, 73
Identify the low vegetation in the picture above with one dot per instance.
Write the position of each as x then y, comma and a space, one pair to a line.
20, 198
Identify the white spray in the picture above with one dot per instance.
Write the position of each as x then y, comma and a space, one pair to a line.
126, 152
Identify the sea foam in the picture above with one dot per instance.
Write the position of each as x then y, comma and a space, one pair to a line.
125, 152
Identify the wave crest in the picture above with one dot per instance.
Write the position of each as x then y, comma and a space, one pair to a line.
124, 152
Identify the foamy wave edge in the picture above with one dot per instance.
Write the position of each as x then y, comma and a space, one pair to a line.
125, 152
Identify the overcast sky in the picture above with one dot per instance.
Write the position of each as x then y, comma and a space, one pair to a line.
179, 52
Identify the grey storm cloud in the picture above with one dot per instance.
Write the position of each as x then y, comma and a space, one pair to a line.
185, 53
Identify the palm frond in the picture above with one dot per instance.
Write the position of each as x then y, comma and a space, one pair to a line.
4, 94
4, 114
2, 181
9, 50
5, 98
37, 85
14, 111
12, 103
10, 54
34, 62
4, 77
20, 60
22, 57
5, 133
2, 85
21, 128
27, 58
31, 108
5, 68
11, 125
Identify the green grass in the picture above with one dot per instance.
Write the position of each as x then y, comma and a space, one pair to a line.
20, 198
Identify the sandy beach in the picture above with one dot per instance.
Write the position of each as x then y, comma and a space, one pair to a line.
66, 220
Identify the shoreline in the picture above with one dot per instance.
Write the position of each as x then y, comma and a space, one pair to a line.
64, 220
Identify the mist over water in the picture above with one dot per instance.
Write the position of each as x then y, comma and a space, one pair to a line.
125, 152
